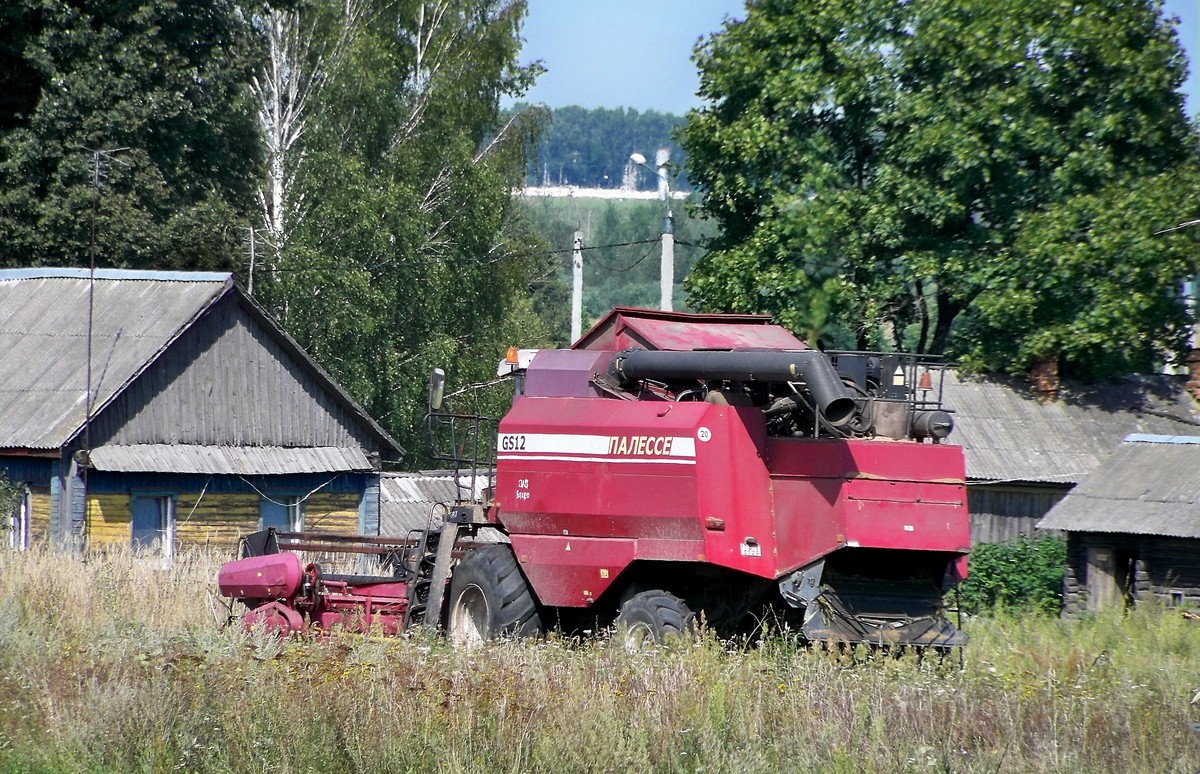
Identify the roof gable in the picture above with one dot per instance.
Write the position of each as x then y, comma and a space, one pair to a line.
135, 318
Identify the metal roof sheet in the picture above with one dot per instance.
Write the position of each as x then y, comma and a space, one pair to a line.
244, 460
1007, 434
1146, 487
44, 341
407, 501
656, 329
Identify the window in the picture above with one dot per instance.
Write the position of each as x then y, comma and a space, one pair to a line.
154, 520
17, 524
283, 512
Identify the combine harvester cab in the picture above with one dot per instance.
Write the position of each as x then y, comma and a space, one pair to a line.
675, 464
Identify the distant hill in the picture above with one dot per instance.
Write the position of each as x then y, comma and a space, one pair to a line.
591, 147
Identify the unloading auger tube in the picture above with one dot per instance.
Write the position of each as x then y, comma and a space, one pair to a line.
835, 402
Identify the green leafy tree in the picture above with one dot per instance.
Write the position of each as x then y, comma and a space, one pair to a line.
163, 82
913, 174
404, 250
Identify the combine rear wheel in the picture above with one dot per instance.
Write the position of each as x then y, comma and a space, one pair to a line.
489, 598
653, 617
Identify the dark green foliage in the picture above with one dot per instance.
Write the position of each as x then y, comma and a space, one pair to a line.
975, 178
1021, 574
10, 498
164, 80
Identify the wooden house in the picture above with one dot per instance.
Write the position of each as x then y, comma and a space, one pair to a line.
1133, 526
166, 408
1026, 448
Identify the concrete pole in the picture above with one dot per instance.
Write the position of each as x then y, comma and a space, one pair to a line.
577, 288
667, 283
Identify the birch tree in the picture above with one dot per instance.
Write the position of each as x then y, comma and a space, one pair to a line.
407, 251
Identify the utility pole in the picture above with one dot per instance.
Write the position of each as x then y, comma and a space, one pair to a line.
577, 288
77, 529
667, 274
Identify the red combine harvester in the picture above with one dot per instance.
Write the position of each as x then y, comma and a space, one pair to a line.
671, 465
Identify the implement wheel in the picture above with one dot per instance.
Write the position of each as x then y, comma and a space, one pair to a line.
654, 618
489, 598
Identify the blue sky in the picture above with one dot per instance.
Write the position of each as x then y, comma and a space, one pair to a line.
637, 53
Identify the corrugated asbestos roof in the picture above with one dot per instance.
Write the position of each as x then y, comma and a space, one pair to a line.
1008, 435
407, 500
44, 342
1149, 486
135, 315
245, 460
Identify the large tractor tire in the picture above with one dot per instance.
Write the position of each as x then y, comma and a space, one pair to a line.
654, 618
489, 598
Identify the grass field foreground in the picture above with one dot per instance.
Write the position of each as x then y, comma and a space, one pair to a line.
113, 664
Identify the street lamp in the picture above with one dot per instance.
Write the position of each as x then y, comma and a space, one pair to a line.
667, 280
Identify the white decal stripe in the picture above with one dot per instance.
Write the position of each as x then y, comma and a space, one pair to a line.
618, 460
683, 446
554, 443
564, 444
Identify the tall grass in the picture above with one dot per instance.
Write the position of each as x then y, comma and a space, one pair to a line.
113, 664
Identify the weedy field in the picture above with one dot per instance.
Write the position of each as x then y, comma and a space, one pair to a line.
112, 664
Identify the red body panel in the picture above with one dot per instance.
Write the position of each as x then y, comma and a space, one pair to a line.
653, 329
587, 486
274, 576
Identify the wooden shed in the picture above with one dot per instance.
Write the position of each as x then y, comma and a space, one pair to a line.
1133, 526
166, 408
1026, 449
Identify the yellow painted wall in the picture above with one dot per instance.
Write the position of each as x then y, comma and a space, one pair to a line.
212, 520
331, 513
215, 520
108, 520
39, 514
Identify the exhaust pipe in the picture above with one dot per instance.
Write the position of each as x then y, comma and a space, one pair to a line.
834, 401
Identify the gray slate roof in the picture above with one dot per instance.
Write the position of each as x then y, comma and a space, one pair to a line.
135, 316
413, 501
232, 460
1149, 486
1008, 435
44, 342
408, 500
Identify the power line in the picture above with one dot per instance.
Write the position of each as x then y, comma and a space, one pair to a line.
631, 266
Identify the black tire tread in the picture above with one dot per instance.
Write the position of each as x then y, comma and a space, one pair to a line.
495, 571
666, 614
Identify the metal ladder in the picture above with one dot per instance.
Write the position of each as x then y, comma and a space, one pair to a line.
429, 565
